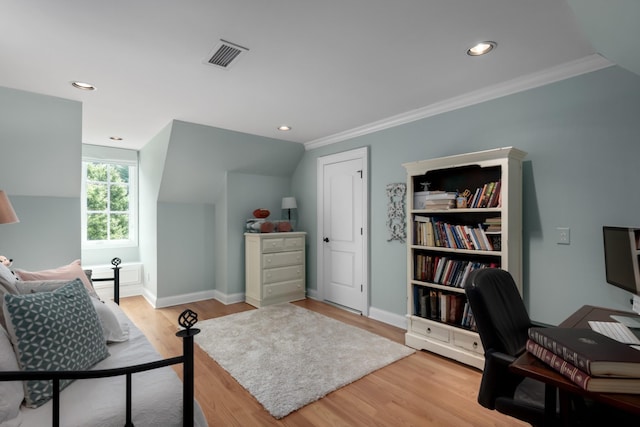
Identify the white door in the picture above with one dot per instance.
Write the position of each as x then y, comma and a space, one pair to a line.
342, 230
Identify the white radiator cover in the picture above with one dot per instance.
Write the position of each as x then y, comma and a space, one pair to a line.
130, 279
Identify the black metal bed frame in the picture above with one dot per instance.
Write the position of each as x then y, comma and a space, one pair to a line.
187, 320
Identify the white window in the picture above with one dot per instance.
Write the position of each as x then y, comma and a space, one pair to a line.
109, 203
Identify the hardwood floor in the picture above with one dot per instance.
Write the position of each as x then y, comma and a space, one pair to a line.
420, 390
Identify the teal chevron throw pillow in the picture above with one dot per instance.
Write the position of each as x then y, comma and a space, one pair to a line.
54, 331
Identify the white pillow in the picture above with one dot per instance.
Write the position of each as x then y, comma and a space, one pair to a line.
7, 279
114, 331
11, 392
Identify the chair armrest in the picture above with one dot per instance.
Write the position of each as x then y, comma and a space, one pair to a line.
503, 358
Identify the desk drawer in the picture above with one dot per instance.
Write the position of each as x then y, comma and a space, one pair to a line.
282, 259
282, 274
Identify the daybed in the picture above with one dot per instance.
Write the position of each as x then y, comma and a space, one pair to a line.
156, 394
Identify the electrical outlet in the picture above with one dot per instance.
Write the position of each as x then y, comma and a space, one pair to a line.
563, 235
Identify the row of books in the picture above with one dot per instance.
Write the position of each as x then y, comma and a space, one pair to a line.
430, 231
445, 307
591, 360
487, 196
445, 270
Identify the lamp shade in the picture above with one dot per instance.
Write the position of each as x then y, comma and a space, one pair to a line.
289, 203
7, 214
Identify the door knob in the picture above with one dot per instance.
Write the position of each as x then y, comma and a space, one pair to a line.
326, 239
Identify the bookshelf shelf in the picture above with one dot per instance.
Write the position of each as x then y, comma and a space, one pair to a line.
457, 211
458, 251
445, 245
438, 286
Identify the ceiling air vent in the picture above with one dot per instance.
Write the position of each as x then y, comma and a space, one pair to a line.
225, 54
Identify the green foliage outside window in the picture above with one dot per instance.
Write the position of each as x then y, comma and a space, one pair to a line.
107, 202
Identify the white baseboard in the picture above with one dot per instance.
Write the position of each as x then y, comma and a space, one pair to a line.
184, 298
106, 291
151, 298
228, 299
393, 319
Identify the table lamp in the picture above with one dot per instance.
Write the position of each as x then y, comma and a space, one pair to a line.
288, 205
7, 214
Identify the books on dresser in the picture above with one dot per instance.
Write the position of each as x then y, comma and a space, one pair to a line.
580, 378
593, 353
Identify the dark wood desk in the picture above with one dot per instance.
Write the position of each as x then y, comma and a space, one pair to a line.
530, 366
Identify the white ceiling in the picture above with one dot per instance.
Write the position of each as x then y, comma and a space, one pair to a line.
322, 67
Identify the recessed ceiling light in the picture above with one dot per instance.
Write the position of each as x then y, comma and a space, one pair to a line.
284, 128
83, 86
115, 138
482, 48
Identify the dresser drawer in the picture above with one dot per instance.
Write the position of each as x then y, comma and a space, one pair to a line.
282, 259
293, 243
278, 244
282, 274
294, 287
429, 329
273, 244
468, 342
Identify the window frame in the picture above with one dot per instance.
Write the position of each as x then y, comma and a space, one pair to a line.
132, 241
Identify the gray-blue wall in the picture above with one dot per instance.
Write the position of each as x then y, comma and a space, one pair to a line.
581, 172
40, 168
212, 179
582, 136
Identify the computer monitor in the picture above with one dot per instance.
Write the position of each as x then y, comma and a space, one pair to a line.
621, 258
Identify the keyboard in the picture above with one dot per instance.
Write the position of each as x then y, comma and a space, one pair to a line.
615, 330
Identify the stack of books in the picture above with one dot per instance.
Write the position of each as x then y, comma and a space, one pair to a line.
591, 360
434, 200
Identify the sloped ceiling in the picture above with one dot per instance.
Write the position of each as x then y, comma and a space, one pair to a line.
324, 68
613, 28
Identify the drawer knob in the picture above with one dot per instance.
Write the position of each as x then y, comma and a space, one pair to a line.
475, 344
428, 330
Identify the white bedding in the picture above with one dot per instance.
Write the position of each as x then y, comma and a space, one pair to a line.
157, 394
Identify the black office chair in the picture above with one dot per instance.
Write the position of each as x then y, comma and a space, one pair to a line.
502, 321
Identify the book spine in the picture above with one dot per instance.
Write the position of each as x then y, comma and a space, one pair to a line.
559, 364
493, 202
566, 353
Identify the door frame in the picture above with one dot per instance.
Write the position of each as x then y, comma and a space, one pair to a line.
359, 153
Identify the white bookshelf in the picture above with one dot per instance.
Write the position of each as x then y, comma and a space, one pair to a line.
451, 335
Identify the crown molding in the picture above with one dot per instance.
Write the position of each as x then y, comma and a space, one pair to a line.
551, 75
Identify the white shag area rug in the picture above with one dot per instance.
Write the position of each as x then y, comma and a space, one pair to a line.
287, 356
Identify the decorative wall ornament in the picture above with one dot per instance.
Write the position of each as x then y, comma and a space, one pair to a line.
396, 223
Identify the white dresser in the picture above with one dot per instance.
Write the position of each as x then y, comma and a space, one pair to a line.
274, 267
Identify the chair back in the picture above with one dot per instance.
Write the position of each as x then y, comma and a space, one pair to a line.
501, 317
